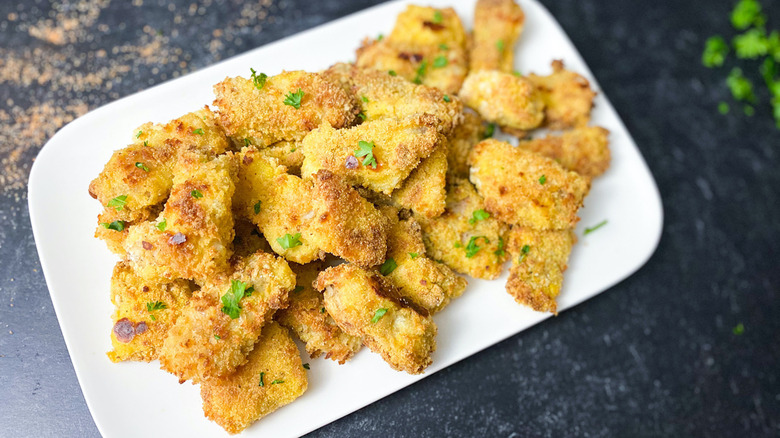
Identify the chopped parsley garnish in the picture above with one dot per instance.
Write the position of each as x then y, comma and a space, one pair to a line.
440, 61
306, 366
749, 110
162, 225
364, 99
437, 17
741, 87
723, 108
232, 298
413, 255
472, 248
322, 310
151, 306
500, 251
595, 227
391, 72
198, 131
294, 99
248, 292
443, 46
141, 166
362, 116
380, 37
116, 225
196, 194
298, 289
257, 207
366, 149
490, 129
751, 44
378, 315
146, 142
523, 253
738, 329
292, 150
118, 202
290, 240
478, 215
420, 72
542, 179
500, 45
277, 381
140, 133
447, 98
746, 13
262, 383
258, 79
247, 142
388, 266
217, 337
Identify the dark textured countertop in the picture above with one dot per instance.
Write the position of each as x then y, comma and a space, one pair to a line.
655, 355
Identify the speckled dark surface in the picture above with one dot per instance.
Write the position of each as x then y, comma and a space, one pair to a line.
653, 356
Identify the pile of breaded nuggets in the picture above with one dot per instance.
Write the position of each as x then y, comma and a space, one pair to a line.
339, 206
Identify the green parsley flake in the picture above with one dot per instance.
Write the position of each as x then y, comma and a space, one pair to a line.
472, 248
420, 72
247, 142
139, 134
322, 310
388, 266
362, 116
443, 46
490, 129
366, 149
364, 99
380, 37
392, 72
262, 383
257, 207
141, 166
478, 215
198, 131
751, 44
413, 255
378, 315
523, 253
118, 203
447, 98
500, 45
231, 299
146, 142
151, 306
217, 337
594, 228
290, 240
437, 17
162, 225
715, 51
298, 289
745, 13
306, 366
196, 194
749, 110
440, 61
116, 225
738, 329
723, 108
741, 87
277, 381
500, 251
294, 99
258, 79
542, 179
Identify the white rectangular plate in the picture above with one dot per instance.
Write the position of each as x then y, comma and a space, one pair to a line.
138, 399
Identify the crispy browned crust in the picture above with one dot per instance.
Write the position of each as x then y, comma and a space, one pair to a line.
237, 400
510, 181
262, 117
306, 317
403, 337
539, 259
115, 239
461, 141
567, 96
199, 229
130, 295
503, 98
381, 96
418, 25
424, 190
205, 342
447, 237
399, 145
494, 21
584, 150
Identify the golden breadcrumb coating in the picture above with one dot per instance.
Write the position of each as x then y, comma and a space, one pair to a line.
248, 239
424, 282
205, 341
461, 141
325, 213
382, 96
497, 26
424, 190
262, 117
307, 318
144, 311
427, 26
567, 96
237, 400
461, 241
191, 238
114, 225
524, 188
538, 261
289, 154
511, 101
364, 304
584, 150
397, 147
143, 171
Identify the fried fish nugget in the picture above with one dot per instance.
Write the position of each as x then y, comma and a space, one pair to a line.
142, 173
461, 141
427, 26
272, 377
144, 311
114, 225
192, 237
511, 101
465, 238
539, 259
584, 150
397, 146
424, 190
206, 341
384, 96
567, 96
263, 117
315, 327
523, 188
364, 304
424, 282
497, 26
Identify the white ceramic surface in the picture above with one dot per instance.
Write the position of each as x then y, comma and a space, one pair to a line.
138, 399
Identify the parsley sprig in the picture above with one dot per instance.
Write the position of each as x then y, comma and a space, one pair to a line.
478, 215
294, 99
366, 149
258, 79
290, 240
232, 298
388, 266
